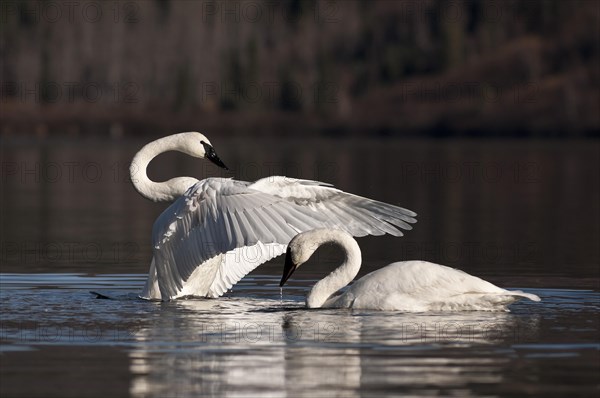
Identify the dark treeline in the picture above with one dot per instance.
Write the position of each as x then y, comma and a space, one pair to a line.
444, 68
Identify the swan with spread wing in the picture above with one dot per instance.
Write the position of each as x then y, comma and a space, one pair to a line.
217, 230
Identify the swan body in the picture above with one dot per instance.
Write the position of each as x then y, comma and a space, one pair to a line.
416, 286
218, 229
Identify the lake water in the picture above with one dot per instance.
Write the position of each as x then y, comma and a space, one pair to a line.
518, 213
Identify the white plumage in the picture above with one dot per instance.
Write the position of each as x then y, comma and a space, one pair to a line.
218, 230
415, 286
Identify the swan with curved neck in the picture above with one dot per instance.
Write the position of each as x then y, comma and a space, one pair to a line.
402, 286
219, 229
191, 143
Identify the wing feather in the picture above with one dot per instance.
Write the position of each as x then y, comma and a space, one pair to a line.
247, 232
221, 229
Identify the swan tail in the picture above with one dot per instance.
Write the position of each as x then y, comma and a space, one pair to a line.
530, 296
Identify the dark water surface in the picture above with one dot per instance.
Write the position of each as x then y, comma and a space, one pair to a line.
520, 214
255, 343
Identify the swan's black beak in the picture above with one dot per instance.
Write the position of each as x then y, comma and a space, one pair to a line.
211, 155
288, 268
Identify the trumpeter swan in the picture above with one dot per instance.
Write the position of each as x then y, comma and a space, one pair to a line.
217, 230
403, 286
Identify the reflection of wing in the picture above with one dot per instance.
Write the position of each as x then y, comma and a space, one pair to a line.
221, 229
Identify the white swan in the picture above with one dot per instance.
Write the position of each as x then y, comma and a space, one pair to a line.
403, 286
219, 229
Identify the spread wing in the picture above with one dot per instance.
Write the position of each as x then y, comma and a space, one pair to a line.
221, 229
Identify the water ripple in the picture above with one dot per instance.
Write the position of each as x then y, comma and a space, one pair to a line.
255, 341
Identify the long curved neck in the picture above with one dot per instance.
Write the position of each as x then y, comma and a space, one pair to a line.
159, 191
342, 275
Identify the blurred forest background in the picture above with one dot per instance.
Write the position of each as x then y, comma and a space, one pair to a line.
393, 68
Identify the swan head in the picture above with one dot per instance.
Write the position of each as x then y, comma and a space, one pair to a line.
197, 145
299, 250
302, 247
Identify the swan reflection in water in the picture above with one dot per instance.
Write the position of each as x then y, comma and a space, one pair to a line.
246, 346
